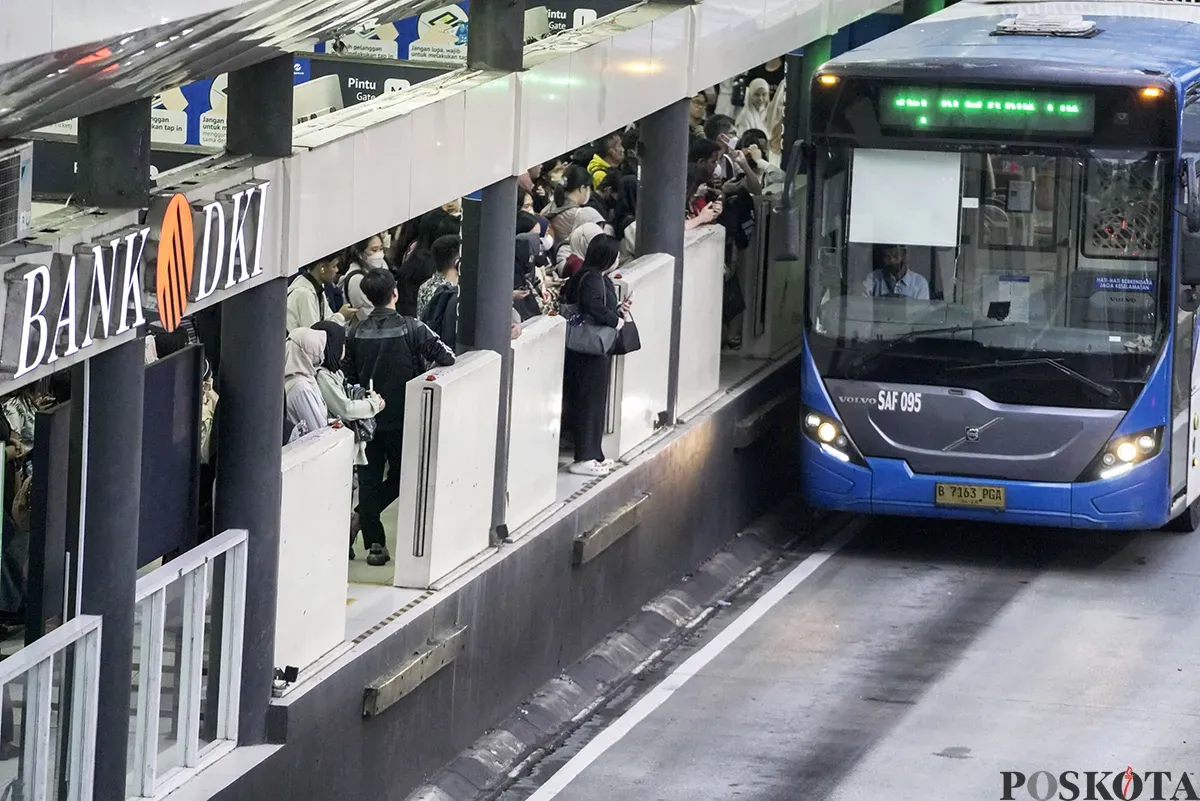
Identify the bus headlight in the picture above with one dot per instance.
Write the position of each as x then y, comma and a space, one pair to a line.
831, 437
1122, 454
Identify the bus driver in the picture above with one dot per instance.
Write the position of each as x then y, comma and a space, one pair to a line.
892, 278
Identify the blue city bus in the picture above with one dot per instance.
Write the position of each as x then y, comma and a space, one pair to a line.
1002, 242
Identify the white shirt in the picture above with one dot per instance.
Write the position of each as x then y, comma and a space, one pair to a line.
912, 285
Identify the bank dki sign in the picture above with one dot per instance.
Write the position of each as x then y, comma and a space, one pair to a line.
183, 254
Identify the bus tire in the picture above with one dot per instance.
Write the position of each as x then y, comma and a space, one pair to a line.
1187, 522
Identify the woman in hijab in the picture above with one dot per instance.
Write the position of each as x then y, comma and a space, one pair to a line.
332, 385
584, 216
755, 114
304, 410
581, 238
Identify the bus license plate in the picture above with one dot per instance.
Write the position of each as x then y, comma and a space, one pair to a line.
970, 495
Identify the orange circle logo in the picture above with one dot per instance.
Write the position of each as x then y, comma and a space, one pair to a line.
176, 253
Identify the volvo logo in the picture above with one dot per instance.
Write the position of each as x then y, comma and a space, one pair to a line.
864, 401
972, 435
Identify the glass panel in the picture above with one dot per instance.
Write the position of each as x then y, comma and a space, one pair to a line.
139, 659
170, 744
12, 739
212, 656
1057, 266
60, 721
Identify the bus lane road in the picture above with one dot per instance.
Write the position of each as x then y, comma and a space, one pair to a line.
922, 660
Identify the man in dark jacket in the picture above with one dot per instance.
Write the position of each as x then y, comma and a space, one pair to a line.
383, 353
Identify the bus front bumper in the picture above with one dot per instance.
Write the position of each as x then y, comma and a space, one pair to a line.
1138, 500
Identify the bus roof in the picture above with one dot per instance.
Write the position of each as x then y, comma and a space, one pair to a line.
1134, 39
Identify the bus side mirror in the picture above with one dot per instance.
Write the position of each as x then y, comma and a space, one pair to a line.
1193, 196
1189, 250
787, 229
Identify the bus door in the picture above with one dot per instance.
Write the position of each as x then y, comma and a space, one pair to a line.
1185, 397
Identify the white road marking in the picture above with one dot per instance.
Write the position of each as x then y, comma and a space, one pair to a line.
693, 665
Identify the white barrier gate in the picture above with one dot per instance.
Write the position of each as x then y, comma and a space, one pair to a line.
536, 410
448, 469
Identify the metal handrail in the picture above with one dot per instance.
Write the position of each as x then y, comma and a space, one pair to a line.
189, 562
56, 641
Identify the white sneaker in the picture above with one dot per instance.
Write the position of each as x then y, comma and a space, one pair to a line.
611, 464
592, 468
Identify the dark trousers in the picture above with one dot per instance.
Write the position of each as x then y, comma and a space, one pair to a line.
586, 392
379, 483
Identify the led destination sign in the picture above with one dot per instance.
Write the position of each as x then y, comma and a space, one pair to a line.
1012, 110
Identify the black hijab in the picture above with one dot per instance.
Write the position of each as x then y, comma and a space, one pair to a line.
335, 340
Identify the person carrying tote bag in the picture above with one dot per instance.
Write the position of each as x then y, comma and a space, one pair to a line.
594, 319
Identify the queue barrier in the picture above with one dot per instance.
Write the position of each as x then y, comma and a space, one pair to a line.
447, 471
535, 418
310, 616
700, 313
637, 396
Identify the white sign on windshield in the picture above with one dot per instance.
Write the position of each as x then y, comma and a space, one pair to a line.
905, 197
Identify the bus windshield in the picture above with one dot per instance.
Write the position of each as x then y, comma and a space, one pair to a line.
1035, 276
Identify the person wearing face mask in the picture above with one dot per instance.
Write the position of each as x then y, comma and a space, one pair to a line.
366, 255
892, 278
574, 194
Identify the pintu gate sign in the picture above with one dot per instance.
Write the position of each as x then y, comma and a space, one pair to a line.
185, 253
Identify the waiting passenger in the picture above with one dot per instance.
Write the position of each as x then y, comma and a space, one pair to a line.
384, 353
304, 409
307, 303
363, 256
447, 255
610, 152
586, 376
572, 195
892, 278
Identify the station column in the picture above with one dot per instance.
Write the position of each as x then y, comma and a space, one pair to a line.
662, 201
495, 41
114, 171
250, 418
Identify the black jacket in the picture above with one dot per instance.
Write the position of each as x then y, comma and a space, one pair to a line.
441, 315
391, 350
596, 296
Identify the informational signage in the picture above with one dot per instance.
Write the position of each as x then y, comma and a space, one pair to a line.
1120, 283
1014, 110
366, 79
186, 253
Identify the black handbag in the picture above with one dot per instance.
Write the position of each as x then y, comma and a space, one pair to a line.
364, 430
628, 339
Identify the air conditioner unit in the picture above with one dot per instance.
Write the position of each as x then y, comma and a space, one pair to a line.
16, 190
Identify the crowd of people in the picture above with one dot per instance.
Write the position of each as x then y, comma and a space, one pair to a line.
362, 323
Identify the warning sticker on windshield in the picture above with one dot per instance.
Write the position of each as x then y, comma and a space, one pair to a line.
1113, 283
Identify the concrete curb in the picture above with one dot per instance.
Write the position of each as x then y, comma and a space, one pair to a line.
496, 760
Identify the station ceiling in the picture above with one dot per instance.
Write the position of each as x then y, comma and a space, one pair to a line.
70, 83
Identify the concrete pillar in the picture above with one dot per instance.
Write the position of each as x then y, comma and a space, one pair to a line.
496, 35
918, 9
115, 382
114, 156
660, 214
260, 109
491, 305
248, 485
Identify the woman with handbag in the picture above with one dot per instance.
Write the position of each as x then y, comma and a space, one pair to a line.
356, 407
594, 318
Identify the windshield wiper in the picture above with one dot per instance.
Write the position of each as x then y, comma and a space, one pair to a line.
1109, 392
864, 361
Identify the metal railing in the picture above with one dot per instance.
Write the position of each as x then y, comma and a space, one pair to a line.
50, 691
187, 664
